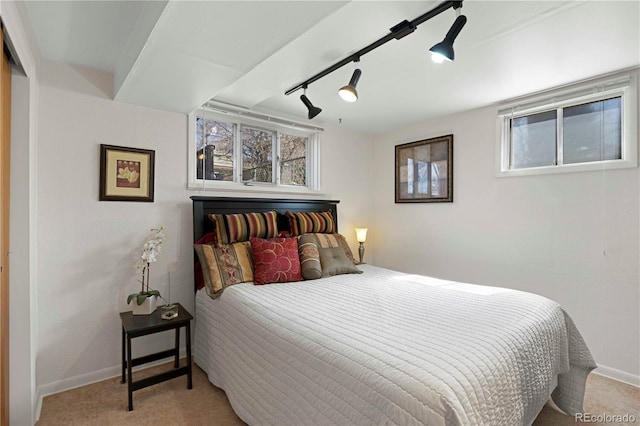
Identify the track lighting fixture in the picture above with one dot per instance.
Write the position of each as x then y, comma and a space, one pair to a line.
349, 92
397, 32
444, 50
313, 110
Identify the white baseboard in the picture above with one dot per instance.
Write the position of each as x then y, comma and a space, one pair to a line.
38, 407
89, 378
621, 376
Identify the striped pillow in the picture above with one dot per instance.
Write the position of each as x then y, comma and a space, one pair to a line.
309, 257
225, 266
311, 222
231, 228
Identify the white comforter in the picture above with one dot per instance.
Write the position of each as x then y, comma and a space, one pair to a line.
389, 348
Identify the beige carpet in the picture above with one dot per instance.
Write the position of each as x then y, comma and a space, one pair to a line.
171, 403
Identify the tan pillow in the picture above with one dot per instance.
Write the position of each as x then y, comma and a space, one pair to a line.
225, 265
335, 262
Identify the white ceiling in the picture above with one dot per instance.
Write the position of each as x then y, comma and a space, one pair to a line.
176, 55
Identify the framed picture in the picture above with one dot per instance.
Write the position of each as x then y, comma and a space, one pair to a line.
424, 171
126, 174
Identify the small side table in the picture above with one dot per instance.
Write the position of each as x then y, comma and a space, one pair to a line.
141, 325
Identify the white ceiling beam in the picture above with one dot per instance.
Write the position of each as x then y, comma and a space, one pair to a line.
148, 18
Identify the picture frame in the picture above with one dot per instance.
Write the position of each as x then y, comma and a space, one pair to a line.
126, 174
424, 171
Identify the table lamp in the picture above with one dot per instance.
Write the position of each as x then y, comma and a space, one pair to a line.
361, 236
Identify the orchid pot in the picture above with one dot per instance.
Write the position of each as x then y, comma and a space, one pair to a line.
147, 307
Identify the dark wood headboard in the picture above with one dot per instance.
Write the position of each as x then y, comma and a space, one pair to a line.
204, 206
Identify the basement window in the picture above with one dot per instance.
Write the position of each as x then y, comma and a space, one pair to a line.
242, 152
587, 127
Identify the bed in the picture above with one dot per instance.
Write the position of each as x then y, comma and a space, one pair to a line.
383, 347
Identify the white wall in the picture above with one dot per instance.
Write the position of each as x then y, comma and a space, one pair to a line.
346, 172
87, 248
570, 237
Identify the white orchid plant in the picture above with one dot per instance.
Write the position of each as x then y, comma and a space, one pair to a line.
150, 252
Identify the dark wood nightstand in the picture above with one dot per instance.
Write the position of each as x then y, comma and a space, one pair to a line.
141, 325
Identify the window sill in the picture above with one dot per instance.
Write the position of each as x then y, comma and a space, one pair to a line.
569, 168
251, 188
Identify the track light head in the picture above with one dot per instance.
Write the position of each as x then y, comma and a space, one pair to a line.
313, 110
444, 50
349, 92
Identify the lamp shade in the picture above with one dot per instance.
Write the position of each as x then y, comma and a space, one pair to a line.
313, 110
349, 92
441, 52
361, 234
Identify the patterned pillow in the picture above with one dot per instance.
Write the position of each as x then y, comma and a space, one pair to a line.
335, 262
207, 238
275, 260
311, 222
224, 266
332, 240
309, 257
231, 228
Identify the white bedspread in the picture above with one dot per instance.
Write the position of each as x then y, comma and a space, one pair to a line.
385, 347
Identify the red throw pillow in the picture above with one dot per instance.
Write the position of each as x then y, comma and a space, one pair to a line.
275, 260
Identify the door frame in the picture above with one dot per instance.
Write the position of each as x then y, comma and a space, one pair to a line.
5, 162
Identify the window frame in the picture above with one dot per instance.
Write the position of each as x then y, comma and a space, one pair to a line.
624, 86
260, 122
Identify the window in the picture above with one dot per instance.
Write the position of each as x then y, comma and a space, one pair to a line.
257, 155
533, 140
293, 160
214, 148
226, 150
589, 127
593, 131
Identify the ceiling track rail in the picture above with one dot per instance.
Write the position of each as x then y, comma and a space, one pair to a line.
398, 31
